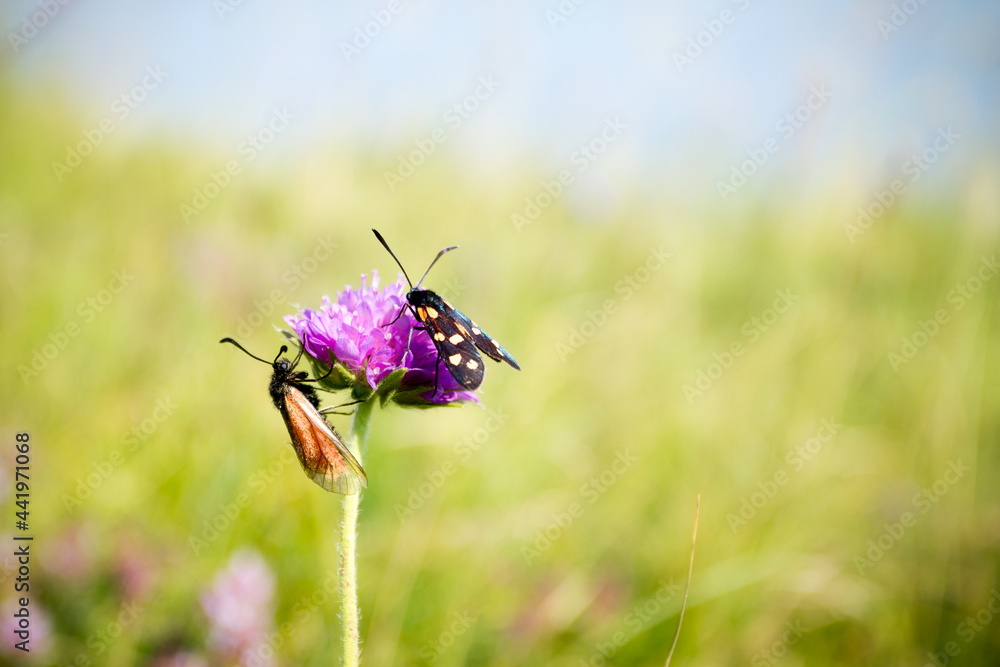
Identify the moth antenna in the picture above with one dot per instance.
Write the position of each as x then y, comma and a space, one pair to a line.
386, 246
264, 361
284, 348
448, 249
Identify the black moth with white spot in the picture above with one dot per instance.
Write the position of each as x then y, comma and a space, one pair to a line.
455, 336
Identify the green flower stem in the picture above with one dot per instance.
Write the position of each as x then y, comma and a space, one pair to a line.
348, 543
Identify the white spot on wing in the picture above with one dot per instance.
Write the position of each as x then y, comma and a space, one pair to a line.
455, 358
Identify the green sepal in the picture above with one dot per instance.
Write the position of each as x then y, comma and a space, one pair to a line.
389, 385
413, 398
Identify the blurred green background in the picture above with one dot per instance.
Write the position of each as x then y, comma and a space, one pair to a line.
829, 390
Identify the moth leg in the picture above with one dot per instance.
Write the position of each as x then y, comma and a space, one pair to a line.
409, 338
328, 373
330, 409
437, 369
398, 315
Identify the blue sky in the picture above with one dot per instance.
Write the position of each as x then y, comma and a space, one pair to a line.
557, 81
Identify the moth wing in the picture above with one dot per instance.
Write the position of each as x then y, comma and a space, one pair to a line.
485, 342
454, 347
324, 457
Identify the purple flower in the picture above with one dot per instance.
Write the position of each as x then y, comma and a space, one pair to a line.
134, 568
356, 331
238, 607
40, 639
72, 557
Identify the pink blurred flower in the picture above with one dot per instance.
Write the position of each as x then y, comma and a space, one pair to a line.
239, 607
40, 628
133, 568
72, 554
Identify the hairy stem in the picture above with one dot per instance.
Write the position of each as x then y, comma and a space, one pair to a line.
348, 544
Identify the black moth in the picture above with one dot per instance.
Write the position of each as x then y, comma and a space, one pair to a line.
324, 457
455, 336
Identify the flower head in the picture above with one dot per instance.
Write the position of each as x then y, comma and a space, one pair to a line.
238, 607
73, 557
371, 334
41, 631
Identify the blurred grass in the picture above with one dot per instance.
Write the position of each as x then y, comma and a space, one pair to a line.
564, 421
